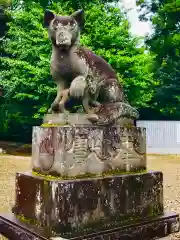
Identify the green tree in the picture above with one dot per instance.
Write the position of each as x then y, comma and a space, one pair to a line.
3, 18
24, 62
165, 44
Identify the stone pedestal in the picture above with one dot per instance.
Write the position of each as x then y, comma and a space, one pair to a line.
83, 148
74, 207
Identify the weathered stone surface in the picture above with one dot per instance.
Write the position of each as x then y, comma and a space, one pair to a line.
79, 118
112, 113
116, 113
81, 149
78, 206
66, 119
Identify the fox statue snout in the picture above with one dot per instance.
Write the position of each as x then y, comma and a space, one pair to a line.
63, 39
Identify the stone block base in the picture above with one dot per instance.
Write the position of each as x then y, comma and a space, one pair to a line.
71, 208
88, 149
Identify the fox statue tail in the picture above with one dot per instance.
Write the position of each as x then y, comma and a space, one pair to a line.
111, 113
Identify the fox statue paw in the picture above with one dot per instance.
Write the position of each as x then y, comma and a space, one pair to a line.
77, 87
92, 117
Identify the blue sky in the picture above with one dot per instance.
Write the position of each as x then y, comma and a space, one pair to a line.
137, 27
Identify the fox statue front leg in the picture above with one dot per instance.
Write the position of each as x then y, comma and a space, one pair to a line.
78, 89
61, 98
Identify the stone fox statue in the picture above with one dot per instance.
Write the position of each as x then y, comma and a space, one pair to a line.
77, 71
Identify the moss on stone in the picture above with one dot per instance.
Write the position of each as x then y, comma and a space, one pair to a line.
100, 225
85, 176
155, 210
52, 125
96, 225
128, 126
22, 218
46, 188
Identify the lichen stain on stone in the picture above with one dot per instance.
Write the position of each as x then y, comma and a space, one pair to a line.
75, 221
38, 204
112, 201
54, 187
96, 212
85, 218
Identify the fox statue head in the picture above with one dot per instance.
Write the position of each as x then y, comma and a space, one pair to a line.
64, 31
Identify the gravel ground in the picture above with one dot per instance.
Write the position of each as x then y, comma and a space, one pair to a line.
169, 165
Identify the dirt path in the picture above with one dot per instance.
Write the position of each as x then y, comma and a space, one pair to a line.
9, 165
171, 170
170, 166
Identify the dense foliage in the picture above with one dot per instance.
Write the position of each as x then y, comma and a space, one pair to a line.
3, 18
25, 54
165, 44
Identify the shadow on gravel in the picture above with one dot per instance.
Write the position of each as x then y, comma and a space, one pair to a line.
17, 149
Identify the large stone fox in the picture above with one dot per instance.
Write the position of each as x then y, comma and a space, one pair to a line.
77, 71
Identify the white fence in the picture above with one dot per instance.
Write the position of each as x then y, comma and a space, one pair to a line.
163, 137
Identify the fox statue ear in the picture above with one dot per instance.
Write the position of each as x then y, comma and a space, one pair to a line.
48, 17
79, 17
